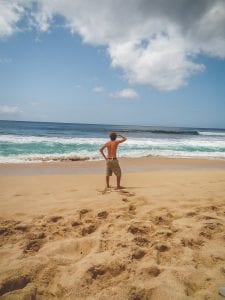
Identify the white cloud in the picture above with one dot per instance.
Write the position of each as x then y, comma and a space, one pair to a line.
6, 109
98, 89
10, 13
125, 93
154, 42
160, 64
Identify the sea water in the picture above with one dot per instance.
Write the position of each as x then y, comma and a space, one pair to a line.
43, 141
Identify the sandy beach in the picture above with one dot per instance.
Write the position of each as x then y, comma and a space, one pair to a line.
83, 85
64, 237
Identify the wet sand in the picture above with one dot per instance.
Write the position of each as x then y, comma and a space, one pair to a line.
128, 165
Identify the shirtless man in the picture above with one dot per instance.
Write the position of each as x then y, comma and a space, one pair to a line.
112, 164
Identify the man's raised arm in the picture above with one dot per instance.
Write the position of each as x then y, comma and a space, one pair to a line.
123, 138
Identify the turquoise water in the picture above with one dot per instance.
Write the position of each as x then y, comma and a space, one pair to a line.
36, 141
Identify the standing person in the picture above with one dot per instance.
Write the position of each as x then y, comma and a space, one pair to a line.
112, 164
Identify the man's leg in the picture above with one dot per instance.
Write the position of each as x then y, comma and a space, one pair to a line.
107, 181
117, 172
108, 173
118, 178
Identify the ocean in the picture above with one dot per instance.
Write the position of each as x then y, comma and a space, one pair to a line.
42, 141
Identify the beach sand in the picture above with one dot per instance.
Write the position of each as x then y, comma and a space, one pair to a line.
64, 237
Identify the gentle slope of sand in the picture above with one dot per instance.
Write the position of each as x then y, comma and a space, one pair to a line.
163, 237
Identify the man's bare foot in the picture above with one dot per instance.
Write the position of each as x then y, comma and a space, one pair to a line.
120, 187
106, 190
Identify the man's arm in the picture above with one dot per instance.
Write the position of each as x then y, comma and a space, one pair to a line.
123, 138
102, 151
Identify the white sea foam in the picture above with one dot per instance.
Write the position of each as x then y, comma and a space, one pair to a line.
142, 142
122, 153
16, 139
212, 133
180, 142
195, 146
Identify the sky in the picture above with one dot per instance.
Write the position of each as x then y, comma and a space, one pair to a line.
144, 62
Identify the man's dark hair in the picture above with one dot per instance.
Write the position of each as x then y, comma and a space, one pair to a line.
113, 136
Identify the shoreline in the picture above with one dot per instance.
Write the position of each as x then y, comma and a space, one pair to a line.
128, 165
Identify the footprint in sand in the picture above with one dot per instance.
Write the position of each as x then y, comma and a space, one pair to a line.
212, 207
141, 241
127, 212
104, 245
76, 223
138, 229
103, 214
206, 234
191, 288
36, 235
213, 226
55, 219
88, 230
5, 231
132, 208
22, 227
104, 191
138, 254
96, 271
127, 193
114, 269
35, 240
12, 284
83, 212
153, 271
162, 247
191, 214
164, 232
140, 293
33, 246
192, 243
10, 227
47, 273
163, 219
209, 229
207, 217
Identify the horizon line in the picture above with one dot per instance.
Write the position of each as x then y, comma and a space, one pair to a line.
81, 123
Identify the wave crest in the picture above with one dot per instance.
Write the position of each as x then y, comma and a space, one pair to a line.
189, 132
